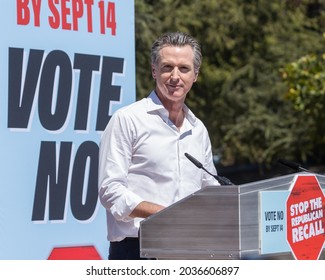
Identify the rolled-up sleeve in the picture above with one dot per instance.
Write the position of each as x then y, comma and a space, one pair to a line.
114, 160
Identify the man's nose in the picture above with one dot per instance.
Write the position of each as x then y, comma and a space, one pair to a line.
175, 73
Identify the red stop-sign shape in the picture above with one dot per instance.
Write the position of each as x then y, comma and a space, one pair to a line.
305, 218
74, 253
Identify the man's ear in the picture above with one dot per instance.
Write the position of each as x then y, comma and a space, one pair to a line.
195, 78
153, 71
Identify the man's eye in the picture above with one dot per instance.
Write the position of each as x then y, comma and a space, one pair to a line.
184, 69
167, 68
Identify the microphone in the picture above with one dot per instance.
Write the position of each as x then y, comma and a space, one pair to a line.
220, 179
293, 165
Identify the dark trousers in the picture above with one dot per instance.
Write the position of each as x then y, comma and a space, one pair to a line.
127, 249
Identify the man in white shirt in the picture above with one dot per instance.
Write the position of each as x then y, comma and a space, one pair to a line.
142, 166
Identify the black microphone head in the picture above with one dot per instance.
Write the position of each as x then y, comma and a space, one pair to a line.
193, 160
292, 165
220, 179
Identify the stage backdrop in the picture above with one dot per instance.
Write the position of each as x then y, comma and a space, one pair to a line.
66, 66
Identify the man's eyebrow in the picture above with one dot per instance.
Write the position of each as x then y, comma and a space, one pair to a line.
170, 63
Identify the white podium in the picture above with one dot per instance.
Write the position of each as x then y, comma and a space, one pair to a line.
217, 222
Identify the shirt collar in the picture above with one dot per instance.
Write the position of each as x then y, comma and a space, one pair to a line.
154, 104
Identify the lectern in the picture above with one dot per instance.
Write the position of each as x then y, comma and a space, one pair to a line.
225, 222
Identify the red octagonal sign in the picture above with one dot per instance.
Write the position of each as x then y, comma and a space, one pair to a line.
74, 253
305, 218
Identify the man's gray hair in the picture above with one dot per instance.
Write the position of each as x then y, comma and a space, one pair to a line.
177, 39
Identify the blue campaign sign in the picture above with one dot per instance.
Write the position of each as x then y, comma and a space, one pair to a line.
273, 229
66, 66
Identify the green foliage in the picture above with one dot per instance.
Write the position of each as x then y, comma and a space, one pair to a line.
306, 90
306, 81
240, 94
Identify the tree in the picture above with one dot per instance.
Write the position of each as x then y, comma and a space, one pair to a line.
145, 33
239, 94
306, 90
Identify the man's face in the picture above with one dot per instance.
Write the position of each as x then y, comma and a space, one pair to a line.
174, 73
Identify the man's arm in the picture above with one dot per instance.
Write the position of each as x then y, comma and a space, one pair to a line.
145, 209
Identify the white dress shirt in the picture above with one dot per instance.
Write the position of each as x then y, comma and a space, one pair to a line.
142, 159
